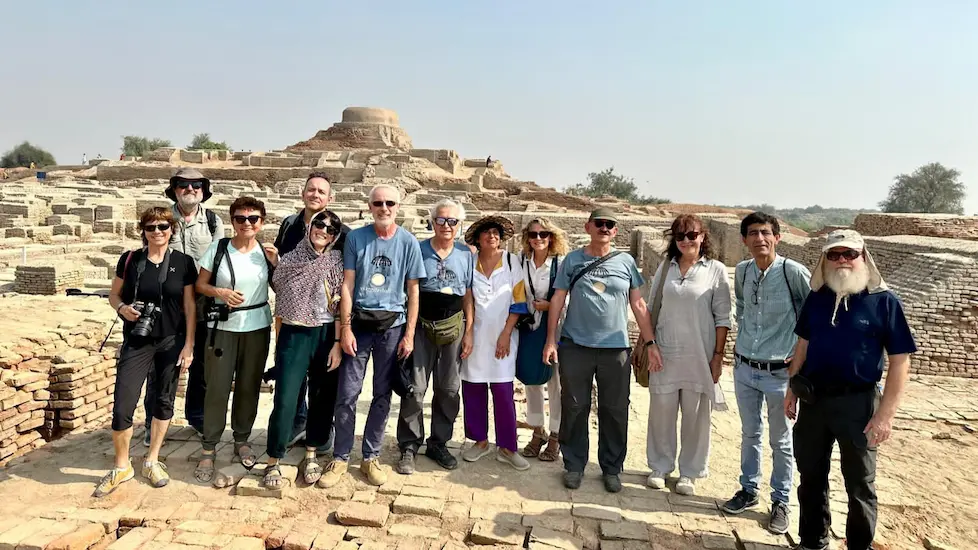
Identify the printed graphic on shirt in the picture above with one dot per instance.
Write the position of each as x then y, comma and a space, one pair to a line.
381, 269
596, 278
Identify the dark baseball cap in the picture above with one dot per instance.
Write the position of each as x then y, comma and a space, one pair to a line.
603, 213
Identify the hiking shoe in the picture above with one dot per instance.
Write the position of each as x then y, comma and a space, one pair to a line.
475, 452
685, 486
441, 455
333, 473
656, 480
405, 466
779, 518
572, 480
515, 460
156, 473
111, 481
374, 472
612, 483
740, 502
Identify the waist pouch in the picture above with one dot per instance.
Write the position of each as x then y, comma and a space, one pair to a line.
365, 320
446, 330
802, 388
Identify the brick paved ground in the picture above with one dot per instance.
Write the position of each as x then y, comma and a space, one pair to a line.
927, 481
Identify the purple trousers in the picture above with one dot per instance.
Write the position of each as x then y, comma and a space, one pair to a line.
475, 398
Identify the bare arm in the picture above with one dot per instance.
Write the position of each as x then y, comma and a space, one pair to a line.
798, 359
347, 340
204, 286
190, 314
641, 312
115, 294
556, 307
896, 381
721, 341
413, 295
468, 307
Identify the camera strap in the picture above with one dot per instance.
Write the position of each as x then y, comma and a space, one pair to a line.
141, 267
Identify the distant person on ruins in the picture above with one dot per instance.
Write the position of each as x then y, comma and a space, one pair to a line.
235, 273
544, 249
33, 166
689, 338
847, 323
195, 229
444, 339
316, 196
84, 159
603, 284
770, 291
153, 293
379, 309
489, 161
122, 156
307, 285
497, 286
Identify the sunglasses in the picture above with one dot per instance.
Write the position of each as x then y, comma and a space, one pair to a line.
851, 255
689, 235
450, 222
152, 228
539, 234
253, 219
390, 204
610, 224
185, 184
321, 225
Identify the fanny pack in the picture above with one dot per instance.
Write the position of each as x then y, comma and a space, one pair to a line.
444, 331
802, 388
365, 320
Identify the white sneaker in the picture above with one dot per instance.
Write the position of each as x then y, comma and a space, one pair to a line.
475, 452
657, 480
685, 486
513, 459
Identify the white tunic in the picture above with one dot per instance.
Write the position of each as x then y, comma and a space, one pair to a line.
493, 295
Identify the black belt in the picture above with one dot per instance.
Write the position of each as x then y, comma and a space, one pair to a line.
762, 365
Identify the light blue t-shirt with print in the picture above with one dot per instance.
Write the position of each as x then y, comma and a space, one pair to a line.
250, 279
597, 315
452, 275
383, 267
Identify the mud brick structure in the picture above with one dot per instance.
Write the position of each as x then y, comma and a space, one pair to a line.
48, 279
926, 225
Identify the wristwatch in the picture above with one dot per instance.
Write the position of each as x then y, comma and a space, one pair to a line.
650, 343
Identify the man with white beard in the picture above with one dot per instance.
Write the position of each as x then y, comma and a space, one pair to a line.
846, 324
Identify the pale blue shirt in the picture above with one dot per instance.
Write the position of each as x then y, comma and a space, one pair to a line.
766, 310
250, 279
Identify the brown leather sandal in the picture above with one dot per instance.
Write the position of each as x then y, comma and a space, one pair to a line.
552, 451
532, 449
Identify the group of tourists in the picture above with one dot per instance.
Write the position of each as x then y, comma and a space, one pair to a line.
470, 319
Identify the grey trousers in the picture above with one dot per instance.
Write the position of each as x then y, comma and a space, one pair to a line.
579, 367
695, 443
441, 364
238, 358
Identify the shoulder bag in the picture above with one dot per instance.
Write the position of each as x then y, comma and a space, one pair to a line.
640, 359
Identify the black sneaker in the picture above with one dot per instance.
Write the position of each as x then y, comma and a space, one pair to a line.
405, 465
441, 455
779, 518
740, 502
572, 480
612, 483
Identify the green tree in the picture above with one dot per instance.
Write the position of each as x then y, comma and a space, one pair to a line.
24, 154
139, 146
607, 182
203, 142
932, 188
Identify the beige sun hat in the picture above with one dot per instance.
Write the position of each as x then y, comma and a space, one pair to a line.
847, 238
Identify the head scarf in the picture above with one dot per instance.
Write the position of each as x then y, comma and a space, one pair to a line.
307, 284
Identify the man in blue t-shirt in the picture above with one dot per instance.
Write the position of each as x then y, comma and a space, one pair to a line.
378, 311
594, 344
846, 325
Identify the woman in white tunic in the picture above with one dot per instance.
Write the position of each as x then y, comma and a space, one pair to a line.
497, 287
690, 335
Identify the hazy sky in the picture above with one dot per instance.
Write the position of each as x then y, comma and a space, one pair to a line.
778, 101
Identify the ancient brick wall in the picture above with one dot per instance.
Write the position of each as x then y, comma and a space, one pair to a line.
50, 279
928, 225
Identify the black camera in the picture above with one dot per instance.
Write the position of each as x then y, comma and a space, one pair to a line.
148, 313
216, 312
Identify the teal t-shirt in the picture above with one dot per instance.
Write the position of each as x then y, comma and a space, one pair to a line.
250, 279
383, 267
453, 275
597, 315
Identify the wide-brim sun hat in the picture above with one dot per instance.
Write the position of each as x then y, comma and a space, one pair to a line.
188, 174
505, 224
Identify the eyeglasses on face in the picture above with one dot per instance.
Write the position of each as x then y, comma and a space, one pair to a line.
252, 219
153, 227
538, 234
610, 224
389, 204
849, 254
760, 232
323, 226
451, 222
691, 235
183, 184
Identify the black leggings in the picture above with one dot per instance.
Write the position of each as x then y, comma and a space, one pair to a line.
136, 360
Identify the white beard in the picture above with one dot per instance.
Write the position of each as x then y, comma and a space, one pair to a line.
845, 281
188, 202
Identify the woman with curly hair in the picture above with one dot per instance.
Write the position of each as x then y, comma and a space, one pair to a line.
544, 246
687, 353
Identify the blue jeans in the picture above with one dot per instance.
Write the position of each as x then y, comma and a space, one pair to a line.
753, 387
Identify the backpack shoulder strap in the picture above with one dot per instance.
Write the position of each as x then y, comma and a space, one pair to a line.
211, 222
222, 251
791, 293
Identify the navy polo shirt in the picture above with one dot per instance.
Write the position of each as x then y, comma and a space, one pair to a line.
851, 352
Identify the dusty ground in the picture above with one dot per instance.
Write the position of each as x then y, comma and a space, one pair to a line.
927, 481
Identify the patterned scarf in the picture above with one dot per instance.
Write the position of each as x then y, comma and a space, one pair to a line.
300, 279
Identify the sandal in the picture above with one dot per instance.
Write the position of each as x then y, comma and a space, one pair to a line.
248, 459
204, 473
273, 477
532, 448
311, 470
552, 451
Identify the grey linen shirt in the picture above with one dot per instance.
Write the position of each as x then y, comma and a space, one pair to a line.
768, 305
